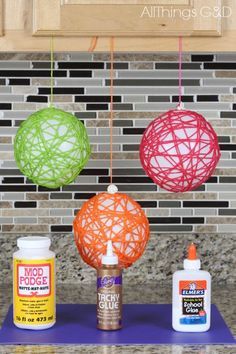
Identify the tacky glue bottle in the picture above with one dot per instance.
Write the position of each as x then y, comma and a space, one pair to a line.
109, 292
191, 296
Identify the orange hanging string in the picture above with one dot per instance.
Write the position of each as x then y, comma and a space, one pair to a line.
111, 103
93, 44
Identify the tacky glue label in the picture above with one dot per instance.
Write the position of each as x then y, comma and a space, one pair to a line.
34, 292
109, 297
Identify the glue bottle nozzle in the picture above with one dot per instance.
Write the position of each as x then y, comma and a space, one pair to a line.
192, 252
109, 258
109, 248
192, 262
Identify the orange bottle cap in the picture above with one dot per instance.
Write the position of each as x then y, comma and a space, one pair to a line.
192, 252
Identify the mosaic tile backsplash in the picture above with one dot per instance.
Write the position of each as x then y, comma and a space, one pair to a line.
145, 86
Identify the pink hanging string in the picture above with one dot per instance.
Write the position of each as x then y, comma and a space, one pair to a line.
180, 106
112, 46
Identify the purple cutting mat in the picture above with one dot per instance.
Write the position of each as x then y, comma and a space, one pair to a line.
143, 324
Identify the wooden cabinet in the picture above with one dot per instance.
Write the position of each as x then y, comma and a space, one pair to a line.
125, 18
137, 25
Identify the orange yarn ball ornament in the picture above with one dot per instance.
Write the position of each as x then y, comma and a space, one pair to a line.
115, 217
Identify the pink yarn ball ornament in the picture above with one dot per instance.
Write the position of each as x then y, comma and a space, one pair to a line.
179, 150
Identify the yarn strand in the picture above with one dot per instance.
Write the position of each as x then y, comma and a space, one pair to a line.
51, 70
93, 44
180, 71
111, 105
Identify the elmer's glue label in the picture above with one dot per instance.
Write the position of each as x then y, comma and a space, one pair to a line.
193, 294
34, 284
191, 305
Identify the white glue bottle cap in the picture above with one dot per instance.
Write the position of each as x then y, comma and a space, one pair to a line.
109, 258
192, 262
33, 242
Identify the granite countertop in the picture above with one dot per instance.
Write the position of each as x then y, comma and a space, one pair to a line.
224, 296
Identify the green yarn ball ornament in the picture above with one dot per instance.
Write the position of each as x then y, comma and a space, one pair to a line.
51, 147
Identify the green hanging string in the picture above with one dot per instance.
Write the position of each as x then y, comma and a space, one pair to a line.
51, 71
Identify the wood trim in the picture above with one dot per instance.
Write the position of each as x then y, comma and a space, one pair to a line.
127, 2
54, 17
46, 16
20, 41
1, 17
211, 25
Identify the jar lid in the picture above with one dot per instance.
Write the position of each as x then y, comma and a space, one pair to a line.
34, 242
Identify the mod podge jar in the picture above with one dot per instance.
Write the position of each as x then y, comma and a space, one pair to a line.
34, 305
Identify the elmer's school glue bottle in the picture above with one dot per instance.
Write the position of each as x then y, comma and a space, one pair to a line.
34, 284
191, 296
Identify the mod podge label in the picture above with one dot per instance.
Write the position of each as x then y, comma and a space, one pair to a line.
34, 295
193, 301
